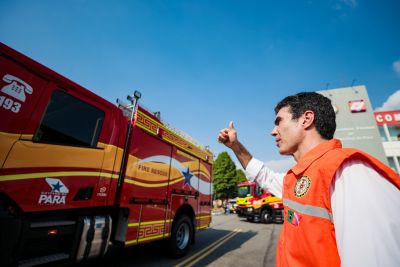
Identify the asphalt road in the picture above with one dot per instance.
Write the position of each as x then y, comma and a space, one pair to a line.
230, 241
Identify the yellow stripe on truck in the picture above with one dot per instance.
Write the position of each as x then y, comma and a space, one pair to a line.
13, 177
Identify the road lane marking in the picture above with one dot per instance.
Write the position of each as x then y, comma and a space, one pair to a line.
207, 250
200, 255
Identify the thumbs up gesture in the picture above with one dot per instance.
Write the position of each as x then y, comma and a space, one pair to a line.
228, 136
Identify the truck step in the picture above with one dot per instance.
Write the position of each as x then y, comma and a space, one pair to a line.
43, 260
51, 224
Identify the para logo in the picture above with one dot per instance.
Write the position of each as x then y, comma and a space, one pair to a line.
56, 195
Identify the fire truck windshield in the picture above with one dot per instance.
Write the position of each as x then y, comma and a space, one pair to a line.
244, 191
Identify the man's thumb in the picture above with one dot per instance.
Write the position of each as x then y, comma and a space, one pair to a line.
231, 125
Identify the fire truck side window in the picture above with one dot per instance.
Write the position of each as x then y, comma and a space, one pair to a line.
70, 121
258, 191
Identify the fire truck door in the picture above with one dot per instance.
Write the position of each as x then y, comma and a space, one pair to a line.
20, 90
144, 191
59, 164
205, 197
184, 182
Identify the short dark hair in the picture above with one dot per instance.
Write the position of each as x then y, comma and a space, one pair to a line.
324, 119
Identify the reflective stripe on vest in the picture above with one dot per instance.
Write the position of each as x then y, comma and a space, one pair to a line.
308, 209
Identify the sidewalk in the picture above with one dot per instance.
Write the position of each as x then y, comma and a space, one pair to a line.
217, 211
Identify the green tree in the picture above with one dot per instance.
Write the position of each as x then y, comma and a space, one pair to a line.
224, 176
240, 176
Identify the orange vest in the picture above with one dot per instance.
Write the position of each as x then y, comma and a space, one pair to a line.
308, 234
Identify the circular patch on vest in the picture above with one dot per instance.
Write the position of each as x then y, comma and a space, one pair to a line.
302, 185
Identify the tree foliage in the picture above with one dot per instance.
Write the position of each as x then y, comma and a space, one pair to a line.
240, 176
225, 177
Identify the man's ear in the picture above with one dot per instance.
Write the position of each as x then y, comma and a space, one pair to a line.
308, 119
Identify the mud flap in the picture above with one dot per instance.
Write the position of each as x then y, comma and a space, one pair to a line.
94, 238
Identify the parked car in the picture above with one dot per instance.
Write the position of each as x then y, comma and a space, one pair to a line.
232, 205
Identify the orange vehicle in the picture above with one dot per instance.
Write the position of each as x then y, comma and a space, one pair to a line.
257, 204
78, 172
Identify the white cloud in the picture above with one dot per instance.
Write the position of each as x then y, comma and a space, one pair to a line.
396, 66
237, 163
392, 103
282, 165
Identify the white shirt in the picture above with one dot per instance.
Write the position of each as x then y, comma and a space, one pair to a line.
365, 209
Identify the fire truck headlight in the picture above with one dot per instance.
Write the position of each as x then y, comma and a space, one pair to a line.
249, 209
276, 206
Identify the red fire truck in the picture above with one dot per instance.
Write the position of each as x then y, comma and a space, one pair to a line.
79, 173
257, 204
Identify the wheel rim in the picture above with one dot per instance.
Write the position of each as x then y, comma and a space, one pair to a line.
266, 216
182, 236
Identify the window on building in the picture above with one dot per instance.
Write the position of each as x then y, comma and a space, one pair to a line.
382, 134
70, 121
392, 165
394, 131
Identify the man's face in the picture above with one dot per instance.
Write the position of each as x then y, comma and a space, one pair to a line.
288, 133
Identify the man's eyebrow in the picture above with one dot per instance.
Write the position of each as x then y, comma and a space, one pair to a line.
277, 120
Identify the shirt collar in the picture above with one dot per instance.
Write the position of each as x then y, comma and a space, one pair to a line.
314, 154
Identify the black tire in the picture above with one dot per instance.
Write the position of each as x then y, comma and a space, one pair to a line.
181, 237
266, 216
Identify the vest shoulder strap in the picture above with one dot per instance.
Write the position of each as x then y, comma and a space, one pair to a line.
340, 155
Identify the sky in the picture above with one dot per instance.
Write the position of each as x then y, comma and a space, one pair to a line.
203, 63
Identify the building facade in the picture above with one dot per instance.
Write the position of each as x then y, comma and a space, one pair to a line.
389, 128
355, 123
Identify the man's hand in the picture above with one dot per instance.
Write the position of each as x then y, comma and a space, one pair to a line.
228, 136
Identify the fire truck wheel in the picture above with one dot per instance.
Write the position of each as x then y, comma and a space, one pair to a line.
181, 237
266, 216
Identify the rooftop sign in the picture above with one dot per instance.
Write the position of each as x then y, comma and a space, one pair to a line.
387, 117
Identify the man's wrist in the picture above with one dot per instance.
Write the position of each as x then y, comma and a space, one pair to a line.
236, 147
241, 153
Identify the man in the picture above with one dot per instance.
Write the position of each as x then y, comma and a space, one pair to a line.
342, 206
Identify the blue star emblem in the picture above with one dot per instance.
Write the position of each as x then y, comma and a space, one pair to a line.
57, 186
187, 176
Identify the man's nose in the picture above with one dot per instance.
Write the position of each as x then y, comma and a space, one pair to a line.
274, 131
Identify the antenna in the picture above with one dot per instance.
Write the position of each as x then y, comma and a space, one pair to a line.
327, 85
352, 84
326, 89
